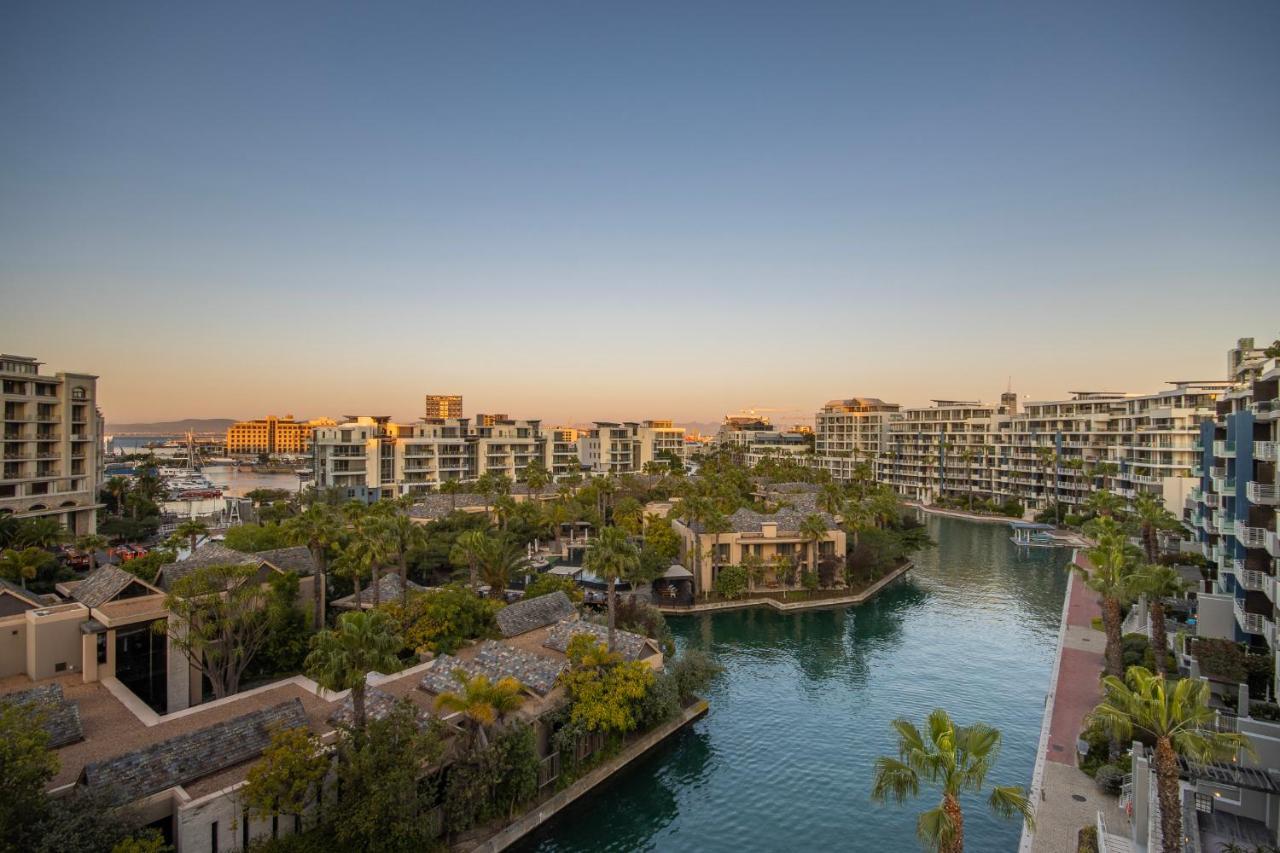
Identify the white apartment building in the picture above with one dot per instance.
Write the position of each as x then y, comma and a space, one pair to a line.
52, 445
370, 457
621, 448
847, 432
939, 449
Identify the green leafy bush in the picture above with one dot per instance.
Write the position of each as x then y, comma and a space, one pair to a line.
731, 582
547, 583
1108, 778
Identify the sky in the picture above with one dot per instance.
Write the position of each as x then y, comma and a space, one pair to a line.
600, 210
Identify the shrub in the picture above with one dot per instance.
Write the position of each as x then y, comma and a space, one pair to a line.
1012, 508
692, 674
1108, 778
441, 620
547, 583
1220, 659
1087, 840
731, 582
255, 537
809, 580
632, 614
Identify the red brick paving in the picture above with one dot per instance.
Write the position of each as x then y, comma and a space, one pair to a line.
1078, 691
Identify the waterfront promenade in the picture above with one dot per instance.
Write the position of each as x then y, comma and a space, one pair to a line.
1066, 799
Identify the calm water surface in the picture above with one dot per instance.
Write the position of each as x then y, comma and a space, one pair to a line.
784, 759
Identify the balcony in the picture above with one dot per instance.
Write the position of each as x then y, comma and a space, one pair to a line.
1251, 537
1224, 449
1262, 493
1218, 472
1266, 409
1273, 544
1265, 451
1250, 579
1253, 623
1213, 499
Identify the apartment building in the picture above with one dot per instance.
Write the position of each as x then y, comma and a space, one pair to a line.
371, 457
621, 448
847, 432
52, 444
936, 450
443, 406
753, 439
273, 435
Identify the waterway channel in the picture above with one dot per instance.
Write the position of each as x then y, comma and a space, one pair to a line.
784, 759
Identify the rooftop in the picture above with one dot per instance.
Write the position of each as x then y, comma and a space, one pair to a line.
531, 613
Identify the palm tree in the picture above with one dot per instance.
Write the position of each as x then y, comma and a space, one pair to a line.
535, 477
118, 488
1180, 722
1047, 456
856, 516
967, 455
191, 530
466, 551
813, 528
831, 499
23, 565
1113, 563
957, 759
451, 488
1104, 503
363, 642
629, 515
715, 523
481, 701
40, 533
557, 514
612, 554
401, 536
499, 558
359, 557
1158, 583
91, 544
1151, 517
318, 529
693, 510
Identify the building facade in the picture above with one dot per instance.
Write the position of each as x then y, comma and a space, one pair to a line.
273, 435
847, 432
52, 445
443, 406
627, 447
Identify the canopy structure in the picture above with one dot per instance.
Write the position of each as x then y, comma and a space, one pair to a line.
677, 572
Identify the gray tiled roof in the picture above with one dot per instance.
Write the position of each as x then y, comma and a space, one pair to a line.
58, 717
494, 661
787, 519
188, 757
208, 554
378, 705
438, 506
30, 597
388, 590
630, 646
296, 559
102, 585
532, 613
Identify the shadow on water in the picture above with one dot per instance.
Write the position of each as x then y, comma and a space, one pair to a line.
783, 761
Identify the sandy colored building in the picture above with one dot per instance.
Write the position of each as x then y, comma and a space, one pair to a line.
627, 447
273, 435
443, 406
767, 536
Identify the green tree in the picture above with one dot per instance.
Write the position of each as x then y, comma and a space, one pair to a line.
611, 555
1180, 722
118, 489
605, 691
318, 530
483, 703
362, 642
252, 537
1158, 583
24, 565
441, 620
1113, 565
401, 536
813, 528
191, 530
731, 582
467, 551
1151, 517
535, 476
218, 619
500, 558
547, 583
451, 488
956, 759
629, 515
40, 533
290, 775
26, 768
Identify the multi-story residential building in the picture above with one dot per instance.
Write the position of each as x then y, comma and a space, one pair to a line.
847, 432
273, 435
934, 450
753, 439
443, 406
370, 457
52, 444
620, 448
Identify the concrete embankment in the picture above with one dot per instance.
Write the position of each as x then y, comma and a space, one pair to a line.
788, 606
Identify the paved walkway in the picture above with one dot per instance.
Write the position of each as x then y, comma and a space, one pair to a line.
1068, 798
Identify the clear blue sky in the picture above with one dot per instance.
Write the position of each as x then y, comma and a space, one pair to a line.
629, 210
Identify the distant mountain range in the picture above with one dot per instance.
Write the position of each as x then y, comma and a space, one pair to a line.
197, 425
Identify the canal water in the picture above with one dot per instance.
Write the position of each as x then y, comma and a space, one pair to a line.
784, 759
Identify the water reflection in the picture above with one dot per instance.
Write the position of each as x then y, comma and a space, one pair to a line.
783, 761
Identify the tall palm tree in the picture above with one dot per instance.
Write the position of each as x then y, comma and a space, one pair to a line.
1113, 565
91, 544
481, 701
118, 488
535, 476
1158, 583
191, 530
466, 551
693, 510
362, 642
359, 557
813, 528
1151, 517
612, 555
957, 759
40, 533
401, 536
715, 523
319, 529
451, 488
967, 455
1047, 457
857, 515
1103, 503
1178, 718
831, 499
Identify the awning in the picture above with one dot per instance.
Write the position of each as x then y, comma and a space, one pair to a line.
564, 571
677, 572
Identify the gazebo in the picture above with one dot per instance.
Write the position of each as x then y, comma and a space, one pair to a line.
674, 587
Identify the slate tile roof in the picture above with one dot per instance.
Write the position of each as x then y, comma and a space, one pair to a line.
296, 559
494, 661
787, 519
531, 613
388, 590
102, 585
378, 705
24, 595
58, 717
438, 506
187, 757
630, 646
208, 554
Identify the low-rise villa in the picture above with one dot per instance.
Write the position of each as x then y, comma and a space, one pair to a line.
771, 537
